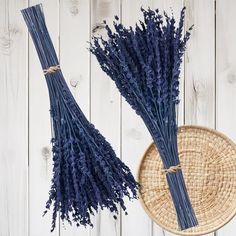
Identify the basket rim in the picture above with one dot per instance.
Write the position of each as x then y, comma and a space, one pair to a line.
185, 233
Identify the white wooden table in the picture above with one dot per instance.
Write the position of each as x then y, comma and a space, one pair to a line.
208, 85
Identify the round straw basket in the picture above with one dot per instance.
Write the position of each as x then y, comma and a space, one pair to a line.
208, 161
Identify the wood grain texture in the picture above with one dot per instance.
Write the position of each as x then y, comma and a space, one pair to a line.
200, 64
105, 106
75, 63
226, 79
13, 120
208, 81
40, 158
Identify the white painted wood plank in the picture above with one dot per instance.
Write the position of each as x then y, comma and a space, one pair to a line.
200, 64
226, 79
105, 106
199, 103
40, 159
75, 63
13, 120
135, 138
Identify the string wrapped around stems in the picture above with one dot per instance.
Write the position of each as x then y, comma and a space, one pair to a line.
144, 62
87, 175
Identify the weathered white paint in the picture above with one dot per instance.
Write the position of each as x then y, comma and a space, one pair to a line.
225, 79
205, 96
13, 120
200, 64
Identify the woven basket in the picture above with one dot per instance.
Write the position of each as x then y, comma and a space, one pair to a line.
208, 161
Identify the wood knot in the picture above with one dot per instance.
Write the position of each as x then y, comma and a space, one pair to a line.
7, 38
198, 88
135, 134
231, 78
46, 153
74, 82
74, 8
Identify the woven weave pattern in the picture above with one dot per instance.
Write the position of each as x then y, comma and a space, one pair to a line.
208, 161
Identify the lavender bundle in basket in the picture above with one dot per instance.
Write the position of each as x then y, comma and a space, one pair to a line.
144, 62
86, 172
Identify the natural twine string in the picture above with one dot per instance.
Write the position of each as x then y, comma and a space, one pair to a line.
51, 69
173, 169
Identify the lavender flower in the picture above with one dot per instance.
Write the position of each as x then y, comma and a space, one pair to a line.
87, 175
144, 62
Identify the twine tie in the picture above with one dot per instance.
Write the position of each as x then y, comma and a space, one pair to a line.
173, 169
51, 69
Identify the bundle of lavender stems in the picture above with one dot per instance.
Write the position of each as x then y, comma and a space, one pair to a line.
144, 62
87, 175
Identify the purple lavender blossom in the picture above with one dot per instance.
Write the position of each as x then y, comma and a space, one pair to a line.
87, 174
144, 62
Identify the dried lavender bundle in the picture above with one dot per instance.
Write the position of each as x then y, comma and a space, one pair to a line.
144, 62
86, 172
